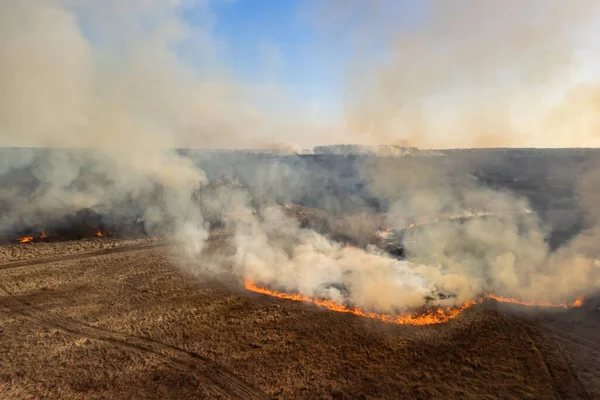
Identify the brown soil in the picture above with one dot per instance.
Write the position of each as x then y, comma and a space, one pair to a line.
130, 324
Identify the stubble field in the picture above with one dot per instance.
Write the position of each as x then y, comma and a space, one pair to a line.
102, 319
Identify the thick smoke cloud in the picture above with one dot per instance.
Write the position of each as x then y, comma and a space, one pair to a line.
274, 250
124, 75
454, 74
499, 246
113, 77
118, 90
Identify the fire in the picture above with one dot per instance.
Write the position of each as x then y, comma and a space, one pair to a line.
99, 234
43, 236
26, 239
384, 233
437, 316
577, 303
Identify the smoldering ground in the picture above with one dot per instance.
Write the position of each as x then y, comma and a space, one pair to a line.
120, 90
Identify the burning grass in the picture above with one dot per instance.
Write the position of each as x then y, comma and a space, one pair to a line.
431, 317
577, 303
428, 317
31, 238
283, 348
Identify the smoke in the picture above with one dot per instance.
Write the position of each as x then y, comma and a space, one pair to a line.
458, 74
273, 249
455, 74
117, 88
484, 241
129, 81
115, 78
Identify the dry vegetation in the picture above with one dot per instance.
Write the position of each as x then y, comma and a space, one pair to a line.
132, 325
31, 251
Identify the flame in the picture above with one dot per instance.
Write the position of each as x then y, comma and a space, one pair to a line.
437, 316
99, 234
43, 236
577, 303
430, 317
26, 239
386, 232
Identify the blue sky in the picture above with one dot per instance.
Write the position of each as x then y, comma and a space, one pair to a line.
384, 68
434, 72
275, 42
256, 30
293, 43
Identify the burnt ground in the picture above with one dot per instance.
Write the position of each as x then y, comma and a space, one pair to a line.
125, 323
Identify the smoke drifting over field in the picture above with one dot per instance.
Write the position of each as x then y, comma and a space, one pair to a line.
452, 74
121, 90
118, 90
505, 253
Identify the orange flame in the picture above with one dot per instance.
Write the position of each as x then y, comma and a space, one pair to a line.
387, 231
26, 239
99, 234
437, 316
577, 303
43, 236
430, 317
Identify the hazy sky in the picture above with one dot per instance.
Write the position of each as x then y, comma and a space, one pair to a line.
263, 73
312, 48
301, 44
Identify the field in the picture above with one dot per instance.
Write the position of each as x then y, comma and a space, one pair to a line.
123, 317
204, 199
102, 318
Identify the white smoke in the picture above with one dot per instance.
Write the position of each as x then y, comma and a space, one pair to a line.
274, 250
109, 77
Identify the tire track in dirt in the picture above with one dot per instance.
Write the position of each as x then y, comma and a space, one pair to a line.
230, 385
568, 338
227, 383
573, 338
80, 256
544, 364
566, 383
565, 337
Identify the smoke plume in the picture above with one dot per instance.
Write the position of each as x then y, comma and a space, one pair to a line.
455, 74
115, 78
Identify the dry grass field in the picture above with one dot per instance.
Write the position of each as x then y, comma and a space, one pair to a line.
103, 319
